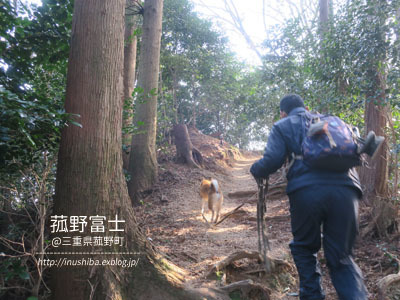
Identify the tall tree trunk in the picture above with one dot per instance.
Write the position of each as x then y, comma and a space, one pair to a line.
185, 152
323, 28
375, 176
143, 161
90, 181
323, 16
129, 82
174, 98
193, 123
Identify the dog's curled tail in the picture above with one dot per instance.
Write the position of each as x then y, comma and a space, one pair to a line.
214, 186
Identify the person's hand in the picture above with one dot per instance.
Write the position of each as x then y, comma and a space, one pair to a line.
260, 181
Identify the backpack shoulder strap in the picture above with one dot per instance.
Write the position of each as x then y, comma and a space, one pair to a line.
307, 118
293, 159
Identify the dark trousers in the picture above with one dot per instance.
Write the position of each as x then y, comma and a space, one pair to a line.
336, 209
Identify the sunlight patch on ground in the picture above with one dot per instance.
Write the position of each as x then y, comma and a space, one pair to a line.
237, 168
241, 176
183, 231
252, 208
236, 228
208, 262
244, 164
196, 216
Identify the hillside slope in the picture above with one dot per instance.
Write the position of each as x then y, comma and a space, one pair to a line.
172, 220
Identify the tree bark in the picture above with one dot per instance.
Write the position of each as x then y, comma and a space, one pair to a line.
323, 29
90, 179
129, 82
376, 111
374, 177
175, 105
323, 16
185, 152
143, 165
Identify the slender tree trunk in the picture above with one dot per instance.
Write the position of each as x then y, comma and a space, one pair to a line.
194, 115
143, 161
174, 99
90, 181
375, 176
129, 82
192, 122
323, 16
219, 126
323, 29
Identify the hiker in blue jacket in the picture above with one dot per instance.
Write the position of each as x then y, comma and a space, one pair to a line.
317, 197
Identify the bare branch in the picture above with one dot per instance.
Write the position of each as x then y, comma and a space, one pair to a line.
264, 20
231, 9
235, 21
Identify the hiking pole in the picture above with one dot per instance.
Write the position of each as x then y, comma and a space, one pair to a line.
263, 243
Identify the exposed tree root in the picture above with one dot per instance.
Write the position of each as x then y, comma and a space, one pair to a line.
197, 157
231, 258
244, 254
185, 151
384, 283
242, 284
382, 222
248, 290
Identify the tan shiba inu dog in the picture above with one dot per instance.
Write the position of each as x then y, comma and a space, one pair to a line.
210, 192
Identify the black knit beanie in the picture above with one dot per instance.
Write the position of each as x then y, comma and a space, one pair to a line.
290, 102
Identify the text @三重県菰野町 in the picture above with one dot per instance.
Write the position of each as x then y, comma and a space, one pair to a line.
79, 262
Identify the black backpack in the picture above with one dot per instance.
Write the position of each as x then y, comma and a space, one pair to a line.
330, 143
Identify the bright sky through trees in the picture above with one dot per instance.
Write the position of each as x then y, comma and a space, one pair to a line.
256, 16
251, 16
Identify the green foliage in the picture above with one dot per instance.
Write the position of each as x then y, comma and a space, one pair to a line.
203, 83
26, 127
13, 268
337, 72
140, 97
34, 47
333, 72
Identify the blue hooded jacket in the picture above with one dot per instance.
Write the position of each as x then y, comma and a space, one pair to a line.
286, 138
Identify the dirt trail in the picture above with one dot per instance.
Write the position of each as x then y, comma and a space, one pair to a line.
177, 228
172, 221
